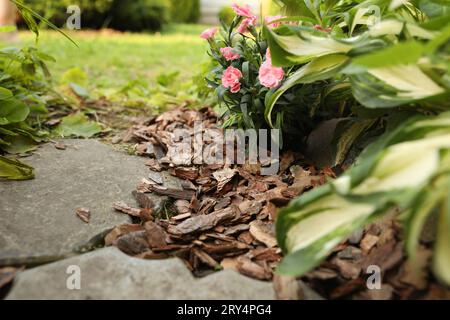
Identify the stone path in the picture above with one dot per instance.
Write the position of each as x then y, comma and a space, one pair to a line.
110, 274
38, 216
38, 222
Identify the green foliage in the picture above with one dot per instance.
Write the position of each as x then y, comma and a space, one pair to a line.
140, 15
134, 15
15, 170
185, 11
246, 108
226, 14
24, 89
392, 62
25, 93
406, 170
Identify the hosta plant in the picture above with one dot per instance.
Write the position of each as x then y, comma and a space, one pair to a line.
393, 57
407, 170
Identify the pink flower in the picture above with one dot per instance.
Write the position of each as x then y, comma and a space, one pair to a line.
231, 79
243, 11
270, 19
247, 22
208, 33
270, 76
229, 54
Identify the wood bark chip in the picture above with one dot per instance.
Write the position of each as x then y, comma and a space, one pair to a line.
117, 232
144, 201
223, 177
144, 214
286, 288
252, 269
7, 275
84, 214
60, 146
133, 243
171, 192
202, 222
263, 233
156, 237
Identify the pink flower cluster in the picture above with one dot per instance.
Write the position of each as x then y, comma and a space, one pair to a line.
246, 12
231, 79
229, 54
270, 76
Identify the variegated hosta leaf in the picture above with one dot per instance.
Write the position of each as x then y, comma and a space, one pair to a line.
410, 81
394, 173
441, 260
349, 136
395, 86
395, 27
302, 47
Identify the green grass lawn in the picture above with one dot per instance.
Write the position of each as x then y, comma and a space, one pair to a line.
112, 59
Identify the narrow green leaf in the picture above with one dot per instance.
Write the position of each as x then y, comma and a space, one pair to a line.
15, 170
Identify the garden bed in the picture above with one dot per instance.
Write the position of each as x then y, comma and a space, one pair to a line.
223, 216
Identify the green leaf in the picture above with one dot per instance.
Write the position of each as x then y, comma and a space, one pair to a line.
441, 260
75, 75
29, 13
403, 53
5, 94
319, 69
12, 111
318, 228
393, 86
349, 136
302, 47
15, 170
20, 144
78, 125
